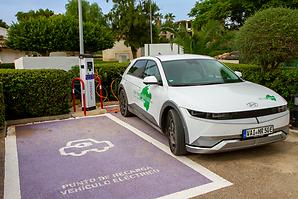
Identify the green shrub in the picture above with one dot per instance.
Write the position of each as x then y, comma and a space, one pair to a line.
34, 93
2, 106
270, 37
7, 66
282, 80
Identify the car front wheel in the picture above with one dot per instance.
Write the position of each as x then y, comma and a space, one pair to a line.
124, 104
175, 132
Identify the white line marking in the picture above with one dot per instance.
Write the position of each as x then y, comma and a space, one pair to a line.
85, 145
58, 120
218, 182
11, 178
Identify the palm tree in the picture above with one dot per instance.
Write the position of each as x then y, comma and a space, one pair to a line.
157, 19
170, 17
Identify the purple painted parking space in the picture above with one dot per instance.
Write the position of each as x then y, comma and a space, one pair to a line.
144, 127
96, 158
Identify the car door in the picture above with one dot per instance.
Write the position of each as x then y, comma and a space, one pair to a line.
152, 97
134, 79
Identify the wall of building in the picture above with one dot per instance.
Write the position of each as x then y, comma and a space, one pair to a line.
3, 32
9, 55
118, 52
64, 63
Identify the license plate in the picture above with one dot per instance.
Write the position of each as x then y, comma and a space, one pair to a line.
257, 132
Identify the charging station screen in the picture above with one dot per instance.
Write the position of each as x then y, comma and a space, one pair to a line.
89, 66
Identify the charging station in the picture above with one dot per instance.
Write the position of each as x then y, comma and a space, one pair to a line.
87, 75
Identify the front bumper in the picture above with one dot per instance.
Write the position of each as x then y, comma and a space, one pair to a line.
238, 143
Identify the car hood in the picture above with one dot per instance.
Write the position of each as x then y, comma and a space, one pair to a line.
231, 97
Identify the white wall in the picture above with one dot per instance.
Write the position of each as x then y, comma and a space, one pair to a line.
163, 49
3, 32
64, 63
229, 61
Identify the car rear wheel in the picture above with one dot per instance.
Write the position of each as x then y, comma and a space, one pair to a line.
124, 104
175, 133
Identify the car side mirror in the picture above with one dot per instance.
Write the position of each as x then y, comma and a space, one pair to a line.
239, 74
150, 80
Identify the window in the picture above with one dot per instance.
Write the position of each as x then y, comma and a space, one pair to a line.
192, 72
138, 68
152, 70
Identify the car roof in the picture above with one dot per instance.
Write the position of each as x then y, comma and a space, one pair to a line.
181, 57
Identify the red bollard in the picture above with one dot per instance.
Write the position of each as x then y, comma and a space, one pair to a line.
100, 91
74, 96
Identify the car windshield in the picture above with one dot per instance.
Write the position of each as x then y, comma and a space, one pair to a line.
192, 72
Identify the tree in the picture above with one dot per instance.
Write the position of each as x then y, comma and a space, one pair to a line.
212, 39
232, 13
130, 21
91, 12
22, 16
170, 17
158, 19
57, 33
269, 37
3, 24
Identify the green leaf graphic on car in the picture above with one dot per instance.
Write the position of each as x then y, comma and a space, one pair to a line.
270, 97
145, 95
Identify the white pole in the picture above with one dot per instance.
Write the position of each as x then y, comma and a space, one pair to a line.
150, 23
81, 27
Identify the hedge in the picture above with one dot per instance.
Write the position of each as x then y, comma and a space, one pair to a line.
2, 106
7, 66
282, 80
35, 93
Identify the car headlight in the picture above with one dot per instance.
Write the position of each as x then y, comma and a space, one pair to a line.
238, 115
282, 108
214, 116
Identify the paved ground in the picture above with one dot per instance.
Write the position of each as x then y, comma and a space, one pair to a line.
2, 156
266, 172
269, 171
98, 157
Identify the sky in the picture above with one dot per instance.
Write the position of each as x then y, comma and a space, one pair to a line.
8, 8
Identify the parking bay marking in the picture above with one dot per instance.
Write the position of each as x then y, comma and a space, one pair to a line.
217, 181
79, 145
12, 183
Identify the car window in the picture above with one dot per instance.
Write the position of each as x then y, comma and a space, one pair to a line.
152, 70
138, 68
191, 72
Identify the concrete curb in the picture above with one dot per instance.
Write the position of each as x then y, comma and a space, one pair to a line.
54, 117
38, 119
3, 130
294, 130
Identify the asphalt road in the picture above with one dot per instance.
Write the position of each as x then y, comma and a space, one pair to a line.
269, 171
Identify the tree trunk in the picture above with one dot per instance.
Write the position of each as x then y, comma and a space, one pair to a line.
134, 52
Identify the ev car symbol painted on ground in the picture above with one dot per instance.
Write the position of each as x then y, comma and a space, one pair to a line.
83, 146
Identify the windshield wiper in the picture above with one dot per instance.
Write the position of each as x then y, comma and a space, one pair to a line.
210, 83
233, 81
177, 85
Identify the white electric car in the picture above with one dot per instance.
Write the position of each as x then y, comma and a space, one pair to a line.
202, 105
